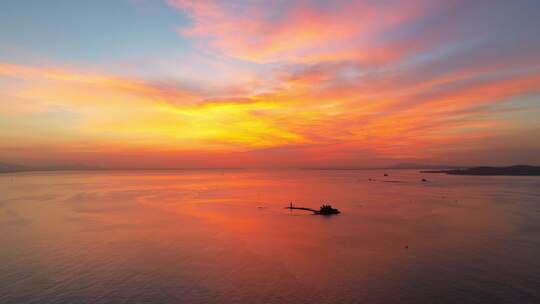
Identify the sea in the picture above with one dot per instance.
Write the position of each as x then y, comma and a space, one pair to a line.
224, 236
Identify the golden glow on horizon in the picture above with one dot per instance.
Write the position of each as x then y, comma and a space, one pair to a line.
133, 113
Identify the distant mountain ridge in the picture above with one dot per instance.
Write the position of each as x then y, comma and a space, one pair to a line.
423, 166
517, 170
12, 168
8, 168
4, 168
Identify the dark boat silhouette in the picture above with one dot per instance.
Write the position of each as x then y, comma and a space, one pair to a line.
327, 210
323, 210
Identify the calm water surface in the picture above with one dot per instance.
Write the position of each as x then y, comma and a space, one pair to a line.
224, 237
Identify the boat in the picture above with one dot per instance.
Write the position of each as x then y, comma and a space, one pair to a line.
323, 210
327, 210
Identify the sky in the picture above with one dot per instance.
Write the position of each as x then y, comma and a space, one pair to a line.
184, 84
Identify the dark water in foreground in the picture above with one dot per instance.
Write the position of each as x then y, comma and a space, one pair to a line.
224, 237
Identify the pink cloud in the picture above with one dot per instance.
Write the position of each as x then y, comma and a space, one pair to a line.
300, 32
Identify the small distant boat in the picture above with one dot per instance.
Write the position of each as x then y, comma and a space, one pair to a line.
323, 210
327, 210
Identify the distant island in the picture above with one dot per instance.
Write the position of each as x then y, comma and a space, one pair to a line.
519, 170
400, 166
423, 166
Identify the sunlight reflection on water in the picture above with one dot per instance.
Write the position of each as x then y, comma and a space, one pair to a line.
224, 237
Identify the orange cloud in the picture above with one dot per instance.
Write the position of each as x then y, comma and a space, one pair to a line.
132, 113
315, 115
99, 81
